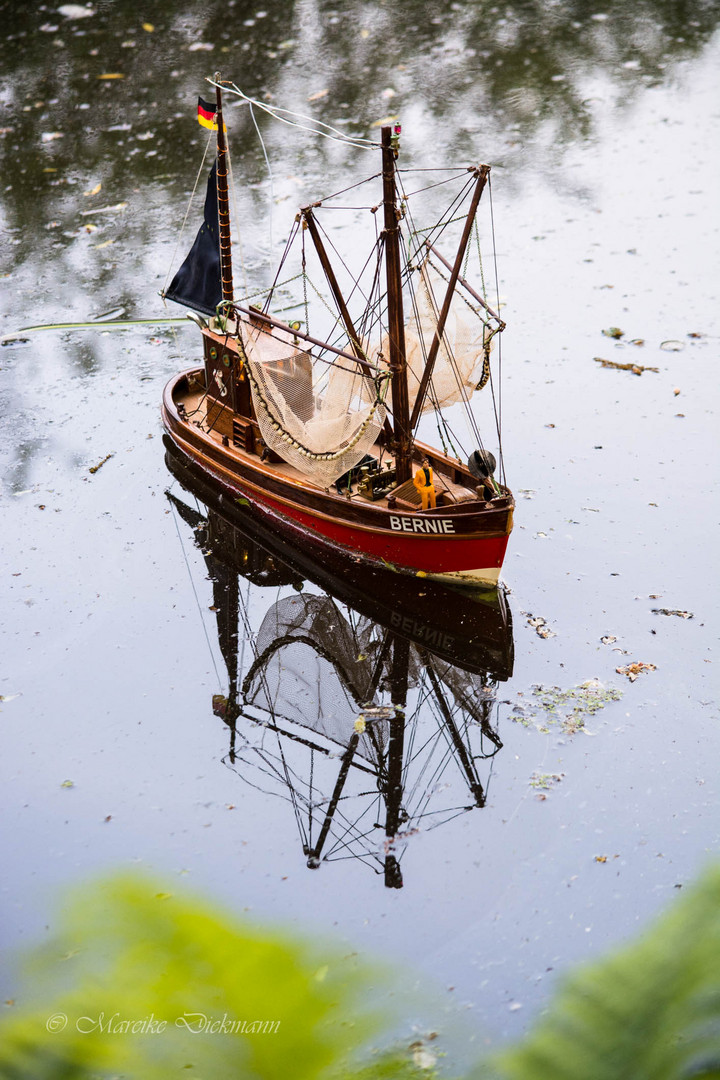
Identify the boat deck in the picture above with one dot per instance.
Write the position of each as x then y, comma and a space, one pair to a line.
448, 492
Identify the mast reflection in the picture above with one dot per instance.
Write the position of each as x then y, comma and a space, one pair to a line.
369, 706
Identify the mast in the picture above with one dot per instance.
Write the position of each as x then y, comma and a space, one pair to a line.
482, 173
223, 200
332, 281
396, 322
396, 747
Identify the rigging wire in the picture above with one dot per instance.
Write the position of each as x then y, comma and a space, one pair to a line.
498, 409
275, 110
197, 599
270, 175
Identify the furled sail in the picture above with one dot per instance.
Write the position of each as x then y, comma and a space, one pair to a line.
320, 417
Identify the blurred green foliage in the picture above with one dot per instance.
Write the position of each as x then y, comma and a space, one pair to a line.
130, 957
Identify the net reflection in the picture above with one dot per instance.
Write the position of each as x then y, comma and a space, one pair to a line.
369, 706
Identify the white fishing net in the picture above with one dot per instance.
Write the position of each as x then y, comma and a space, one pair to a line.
315, 670
459, 364
320, 417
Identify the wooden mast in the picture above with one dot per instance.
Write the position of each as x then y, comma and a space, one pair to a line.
223, 200
396, 322
396, 746
482, 173
332, 281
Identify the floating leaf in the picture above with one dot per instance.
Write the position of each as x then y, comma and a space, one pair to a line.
385, 121
94, 190
68, 783
318, 95
148, 27
633, 670
111, 75
614, 332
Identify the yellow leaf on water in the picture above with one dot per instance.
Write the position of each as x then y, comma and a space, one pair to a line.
385, 121
111, 75
105, 243
148, 26
94, 190
318, 95
163, 895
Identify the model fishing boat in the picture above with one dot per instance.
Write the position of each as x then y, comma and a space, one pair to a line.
370, 733
321, 431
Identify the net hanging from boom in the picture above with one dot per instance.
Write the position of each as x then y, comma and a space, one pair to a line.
320, 418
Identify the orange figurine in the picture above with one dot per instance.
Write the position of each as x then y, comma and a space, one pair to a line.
423, 481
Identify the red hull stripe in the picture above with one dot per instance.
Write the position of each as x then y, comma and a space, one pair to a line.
413, 552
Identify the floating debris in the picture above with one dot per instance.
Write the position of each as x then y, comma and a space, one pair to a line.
545, 781
672, 611
637, 369
672, 346
75, 11
553, 707
539, 624
608, 639
104, 209
94, 468
633, 670
614, 332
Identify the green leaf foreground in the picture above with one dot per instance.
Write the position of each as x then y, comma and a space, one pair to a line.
651, 1011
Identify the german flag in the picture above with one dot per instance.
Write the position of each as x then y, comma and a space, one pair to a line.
206, 115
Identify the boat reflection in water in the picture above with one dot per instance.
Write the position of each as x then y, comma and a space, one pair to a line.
368, 705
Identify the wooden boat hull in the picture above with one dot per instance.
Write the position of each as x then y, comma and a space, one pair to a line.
460, 544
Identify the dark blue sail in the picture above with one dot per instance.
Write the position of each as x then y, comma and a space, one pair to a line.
197, 283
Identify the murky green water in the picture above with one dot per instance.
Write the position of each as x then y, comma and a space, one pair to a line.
600, 128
